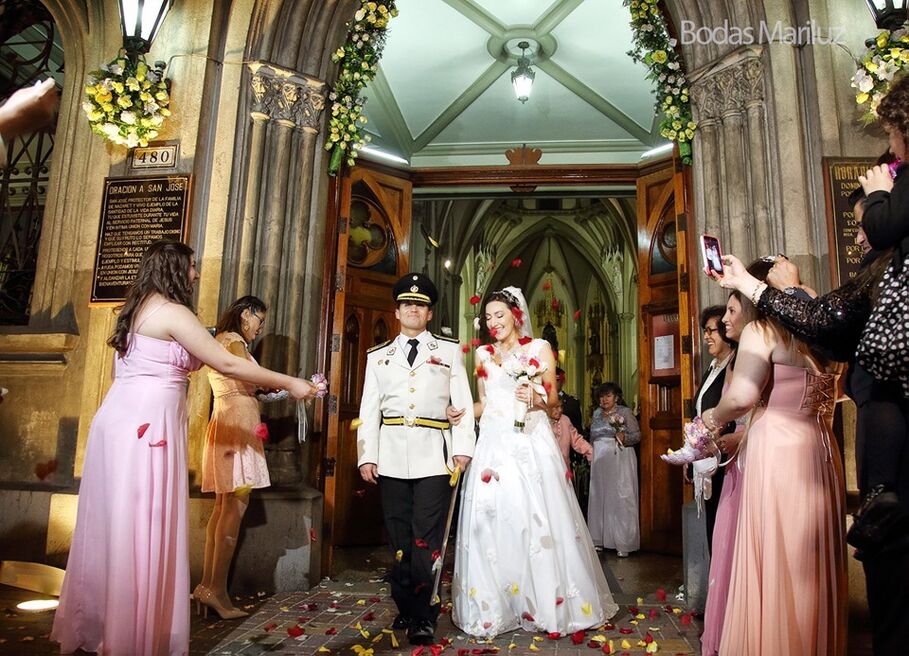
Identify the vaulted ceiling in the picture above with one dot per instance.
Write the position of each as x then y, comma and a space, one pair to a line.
443, 94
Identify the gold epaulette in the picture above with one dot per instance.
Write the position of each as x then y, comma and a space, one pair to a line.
378, 346
445, 339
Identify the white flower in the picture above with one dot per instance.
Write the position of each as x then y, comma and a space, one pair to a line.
128, 117
110, 130
132, 139
87, 107
116, 69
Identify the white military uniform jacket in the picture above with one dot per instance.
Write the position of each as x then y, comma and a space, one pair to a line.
395, 389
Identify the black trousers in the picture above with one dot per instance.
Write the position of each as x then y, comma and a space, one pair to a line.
882, 454
713, 503
415, 511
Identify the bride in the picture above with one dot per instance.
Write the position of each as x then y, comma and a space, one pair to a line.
524, 558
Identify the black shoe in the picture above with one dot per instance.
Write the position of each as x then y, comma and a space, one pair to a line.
401, 622
880, 519
422, 633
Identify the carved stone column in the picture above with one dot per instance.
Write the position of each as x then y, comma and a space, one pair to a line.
734, 197
271, 240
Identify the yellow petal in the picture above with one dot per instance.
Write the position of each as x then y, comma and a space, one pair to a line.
635, 622
676, 611
394, 641
512, 646
626, 644
377, 638
534, 648
587, 609
640, 600
514, 588
640, 616
399, 554
472, 593
652, 648
538, 638
324, 650
641, 643
355, 424
243, 491
361, 602
599, 638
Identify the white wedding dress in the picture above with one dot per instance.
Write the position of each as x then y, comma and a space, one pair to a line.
524, 558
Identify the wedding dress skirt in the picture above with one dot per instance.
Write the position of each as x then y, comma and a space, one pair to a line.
524, 558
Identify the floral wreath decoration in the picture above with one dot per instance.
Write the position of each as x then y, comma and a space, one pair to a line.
126, 102
653, 47
359, 59
885, 56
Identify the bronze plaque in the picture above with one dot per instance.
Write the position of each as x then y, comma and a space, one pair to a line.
841, 179
135, 213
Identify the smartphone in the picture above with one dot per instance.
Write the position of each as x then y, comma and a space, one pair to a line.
712, 254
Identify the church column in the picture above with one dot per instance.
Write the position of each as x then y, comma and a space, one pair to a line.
627, 338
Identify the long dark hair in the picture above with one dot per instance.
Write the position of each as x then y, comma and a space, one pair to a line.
164, 270
232, 321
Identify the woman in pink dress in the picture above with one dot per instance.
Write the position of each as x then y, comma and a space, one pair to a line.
787, 591
233, 462
126, 589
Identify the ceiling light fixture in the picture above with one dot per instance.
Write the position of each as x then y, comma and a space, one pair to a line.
522, 76
370, 150
888, 14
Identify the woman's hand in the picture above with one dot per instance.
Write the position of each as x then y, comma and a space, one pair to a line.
728, 443
524, 393
877, 178
454, 415
302, 390
620, 436
735, 276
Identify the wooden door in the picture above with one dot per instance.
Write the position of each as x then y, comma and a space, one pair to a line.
373, 234
665, 347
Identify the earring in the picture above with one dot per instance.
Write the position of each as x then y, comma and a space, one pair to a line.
244, 326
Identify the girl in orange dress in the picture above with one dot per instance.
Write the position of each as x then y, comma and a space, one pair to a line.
233, 462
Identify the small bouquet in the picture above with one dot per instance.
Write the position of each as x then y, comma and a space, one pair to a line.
320, 382
617, 422
699, 444
526, 370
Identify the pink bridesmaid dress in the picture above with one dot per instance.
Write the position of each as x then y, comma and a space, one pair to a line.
788, 589
126, 590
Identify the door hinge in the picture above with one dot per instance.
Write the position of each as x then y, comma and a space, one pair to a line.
335, 343
328, 467
332, 404
686, 344
681, 222
683, 280
339, 280
342, 226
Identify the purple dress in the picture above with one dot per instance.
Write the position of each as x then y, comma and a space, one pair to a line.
126, 589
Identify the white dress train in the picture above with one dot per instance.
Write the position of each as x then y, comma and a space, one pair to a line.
524, 558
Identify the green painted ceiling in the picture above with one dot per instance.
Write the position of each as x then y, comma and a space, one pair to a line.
443, 95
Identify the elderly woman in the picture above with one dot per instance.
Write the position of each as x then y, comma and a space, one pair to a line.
612, 515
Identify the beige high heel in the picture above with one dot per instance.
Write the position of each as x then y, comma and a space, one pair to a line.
205, 597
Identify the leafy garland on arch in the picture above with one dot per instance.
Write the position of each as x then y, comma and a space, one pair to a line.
656, 50
359, 59
885, 56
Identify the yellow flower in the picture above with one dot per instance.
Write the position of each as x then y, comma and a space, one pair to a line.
861, 98
107, 107
161, 95
90, 90
691, 125
882, 39
371, 6
124, 102
118, 86
132, 84
339, 53
659, 56
672, 134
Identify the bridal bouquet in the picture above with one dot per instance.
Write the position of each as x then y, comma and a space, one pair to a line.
699, 444
526, 370
617, 422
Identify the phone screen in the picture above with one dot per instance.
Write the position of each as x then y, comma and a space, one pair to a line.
712, 254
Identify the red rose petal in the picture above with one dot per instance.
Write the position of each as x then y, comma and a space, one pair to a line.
578, 637
560, 601
654, 613
271, 626
493, 332
481, 371
465, 348
475, 342
527, 616
490, 348
633, 610
417, 651
660, 594
159, 443
436, 554
486, 625
533, 362
593, 644
369, 617
302, 620
474, 299
547, 386
626, 631
45, 469
261, 431
331, 631
685, 619
648, 638
607, 649
577, 315
435, 650
525, 340
568, 475
421, 543
312, 535
547, 285
359, 493
295, 631
554, 635
555, 304
141, 430
418, 587
375, 600
609, 626
516, 262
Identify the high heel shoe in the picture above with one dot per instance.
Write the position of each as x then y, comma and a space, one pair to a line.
207, 598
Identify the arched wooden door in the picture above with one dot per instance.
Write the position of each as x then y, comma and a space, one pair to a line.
665, 345
373, 219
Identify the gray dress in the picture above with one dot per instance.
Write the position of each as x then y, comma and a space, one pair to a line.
612, 513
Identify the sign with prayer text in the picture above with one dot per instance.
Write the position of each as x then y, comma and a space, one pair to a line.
135, 213
840, 180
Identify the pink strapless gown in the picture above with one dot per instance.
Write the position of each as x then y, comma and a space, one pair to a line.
126, 590
788, 589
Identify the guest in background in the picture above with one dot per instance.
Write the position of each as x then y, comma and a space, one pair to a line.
571, 407
612, 514
233, 462
567, 436
708, 477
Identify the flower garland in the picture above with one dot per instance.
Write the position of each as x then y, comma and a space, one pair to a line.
885, 55
654, 48
359, 58
126, 102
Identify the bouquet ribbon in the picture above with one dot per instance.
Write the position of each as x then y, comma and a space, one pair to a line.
319, 380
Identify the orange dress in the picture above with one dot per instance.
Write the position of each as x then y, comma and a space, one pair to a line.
788, 589
234, 456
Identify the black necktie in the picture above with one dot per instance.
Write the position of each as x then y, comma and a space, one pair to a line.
412, 355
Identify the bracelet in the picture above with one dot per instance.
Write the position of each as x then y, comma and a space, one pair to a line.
709, 422
756, 293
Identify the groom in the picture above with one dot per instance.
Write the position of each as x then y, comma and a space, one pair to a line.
406, 445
